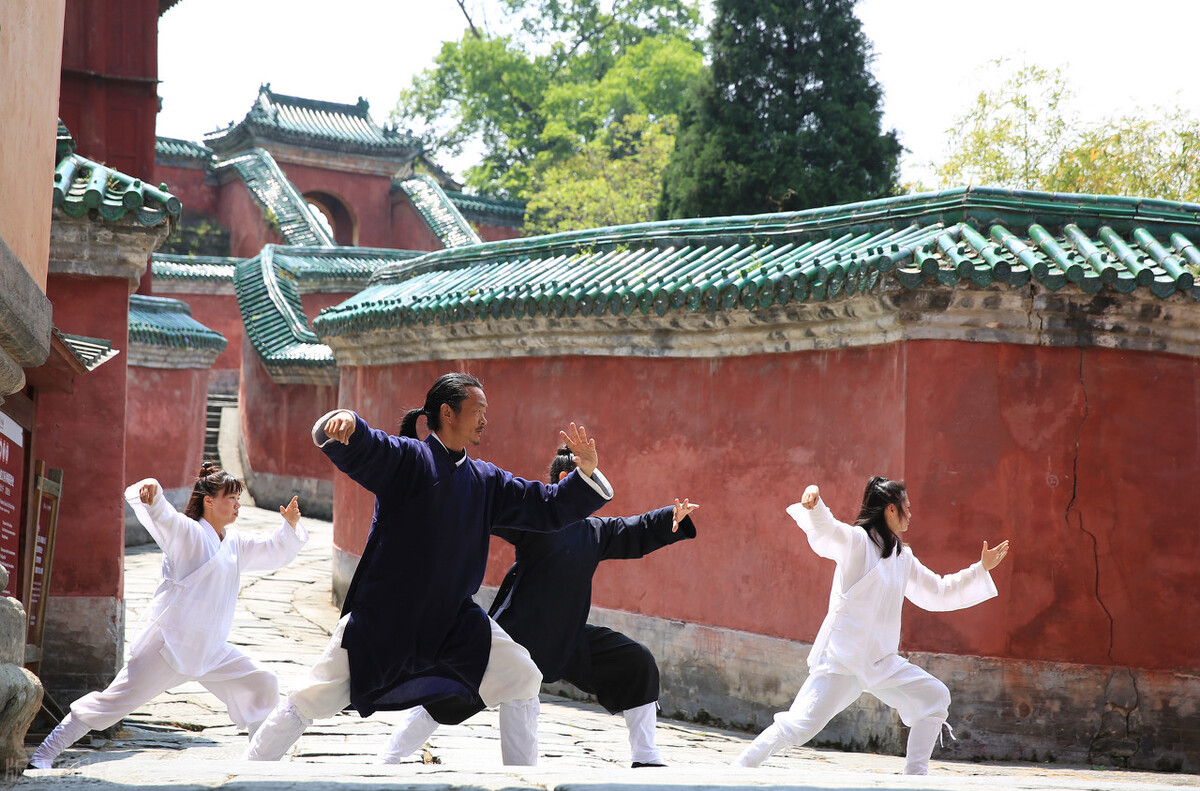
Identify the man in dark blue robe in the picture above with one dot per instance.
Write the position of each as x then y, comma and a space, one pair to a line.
543, 604
410, 633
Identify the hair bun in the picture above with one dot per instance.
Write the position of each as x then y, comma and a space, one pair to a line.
208, 468
564, 450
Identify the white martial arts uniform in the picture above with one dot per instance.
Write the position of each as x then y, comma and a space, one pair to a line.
187, 624
856, 647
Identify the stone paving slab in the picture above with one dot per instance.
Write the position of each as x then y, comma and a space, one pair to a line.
184, 740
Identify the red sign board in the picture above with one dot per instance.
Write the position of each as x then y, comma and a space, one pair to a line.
12, 469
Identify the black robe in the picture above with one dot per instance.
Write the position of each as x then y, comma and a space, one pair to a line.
414, 635
545, 598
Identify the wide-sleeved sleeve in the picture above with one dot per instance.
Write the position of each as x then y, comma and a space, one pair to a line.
372, 458
932, 592
828, 537
179, 537
635, 536
265, 554
540, 507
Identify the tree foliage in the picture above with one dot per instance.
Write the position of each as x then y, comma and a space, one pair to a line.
1022, 136
788, 118
1014, 135
614, 180
562, 73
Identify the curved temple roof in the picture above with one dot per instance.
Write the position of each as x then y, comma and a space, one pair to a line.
962, 238
439, 212
281, 201
268, 290
311, 122
158, 321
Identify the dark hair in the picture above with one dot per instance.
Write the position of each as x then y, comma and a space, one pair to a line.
448, 389
879, 494
213, 482
564, 461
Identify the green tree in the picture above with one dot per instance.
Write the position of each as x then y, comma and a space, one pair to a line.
614, 180
560, 76
788, 117
1023, 136
1013, 136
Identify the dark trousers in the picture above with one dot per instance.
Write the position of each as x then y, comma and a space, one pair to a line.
618, 670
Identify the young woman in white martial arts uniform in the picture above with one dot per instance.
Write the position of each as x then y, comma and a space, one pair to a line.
855, 649
192, 611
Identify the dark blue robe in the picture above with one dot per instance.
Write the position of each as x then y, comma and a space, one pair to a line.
546, 596
414, 634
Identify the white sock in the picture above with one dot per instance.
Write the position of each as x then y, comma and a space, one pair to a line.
518, 732
69, 731
278, 732
641, 722
416, 729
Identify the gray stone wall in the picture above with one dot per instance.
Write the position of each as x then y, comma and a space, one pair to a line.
84, 645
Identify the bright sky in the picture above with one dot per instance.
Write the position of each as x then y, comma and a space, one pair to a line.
931, 56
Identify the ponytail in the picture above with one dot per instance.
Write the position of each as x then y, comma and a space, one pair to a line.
408, 424
879, 494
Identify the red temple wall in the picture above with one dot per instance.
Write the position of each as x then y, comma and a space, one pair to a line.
164, 437
83, 433
1046, 447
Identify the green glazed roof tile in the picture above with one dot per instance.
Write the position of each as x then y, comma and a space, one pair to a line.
175, 148
157, 321
65, 143
479, 208
90, 352
167, 266
283, 205
439, 212
313, 123
82, 186
966, 237
268, 290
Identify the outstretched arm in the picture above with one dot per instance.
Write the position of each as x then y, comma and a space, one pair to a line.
372, 458
265, 554
973, 585
635, 536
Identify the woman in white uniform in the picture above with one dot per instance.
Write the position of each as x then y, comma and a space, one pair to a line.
192, 611
856, 648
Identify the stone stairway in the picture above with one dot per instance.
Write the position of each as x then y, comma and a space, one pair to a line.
216, 403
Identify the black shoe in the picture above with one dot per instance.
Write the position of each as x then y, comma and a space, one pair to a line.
641, 765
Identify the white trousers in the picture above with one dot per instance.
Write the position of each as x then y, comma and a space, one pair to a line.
510, 676
418, 726
922, 701
248, 691
641, 722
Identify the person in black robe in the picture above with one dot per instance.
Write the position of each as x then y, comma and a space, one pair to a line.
410, 634
543, 604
